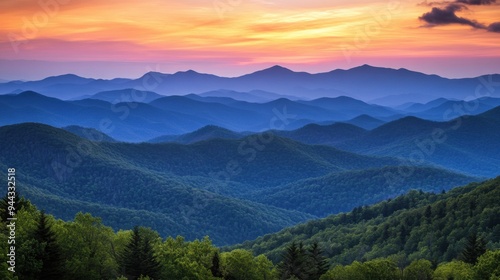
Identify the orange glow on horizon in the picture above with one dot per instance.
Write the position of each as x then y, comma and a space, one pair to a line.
252, 32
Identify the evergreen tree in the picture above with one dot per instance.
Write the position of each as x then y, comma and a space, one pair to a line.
294, 263
129, 260
138, 258
318, 264
215, 269
475, 247
49, 253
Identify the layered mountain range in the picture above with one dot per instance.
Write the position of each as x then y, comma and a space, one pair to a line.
237, 158
174, 115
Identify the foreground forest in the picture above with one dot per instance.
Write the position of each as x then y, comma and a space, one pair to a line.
454, 235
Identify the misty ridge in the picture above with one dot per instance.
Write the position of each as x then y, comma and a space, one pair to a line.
163, 105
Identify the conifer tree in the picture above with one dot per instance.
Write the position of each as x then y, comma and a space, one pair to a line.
138, 258
475, 247
50, 253
294, 263
216, 269
318, 264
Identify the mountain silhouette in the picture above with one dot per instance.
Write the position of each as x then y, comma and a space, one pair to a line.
364, 82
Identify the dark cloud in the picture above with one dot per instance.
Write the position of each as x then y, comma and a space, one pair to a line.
431, 4
465, 2
477, 2
494, 27
446, 15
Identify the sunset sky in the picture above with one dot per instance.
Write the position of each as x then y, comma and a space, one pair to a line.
106, 39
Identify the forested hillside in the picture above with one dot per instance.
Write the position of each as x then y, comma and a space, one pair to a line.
257, 184
416, 225
65, 174
193, 190
343, 191
454, 235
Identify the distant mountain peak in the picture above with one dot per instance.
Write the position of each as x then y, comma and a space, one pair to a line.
365, 66
192, 74
274, 70
279, 67
153, 74
189, 72
67, 78
69, 75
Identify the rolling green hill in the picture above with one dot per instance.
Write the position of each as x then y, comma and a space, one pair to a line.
413, 226
204, 188
341, 192
65, 174
262, 161
174, 188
